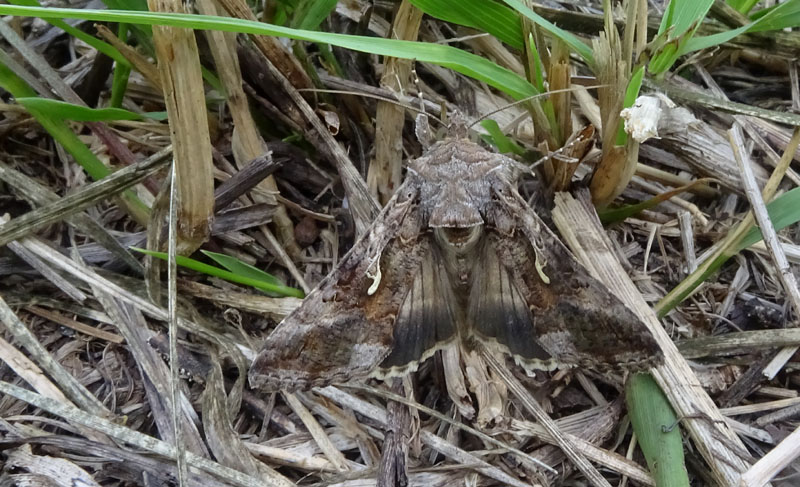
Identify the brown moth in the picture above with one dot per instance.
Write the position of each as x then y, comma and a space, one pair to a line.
456, 255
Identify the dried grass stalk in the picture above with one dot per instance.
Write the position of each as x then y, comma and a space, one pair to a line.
385, 170
184, 95
246, 141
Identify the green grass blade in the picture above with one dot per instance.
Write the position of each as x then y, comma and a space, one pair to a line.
577, 45
683, 15
142, 33
100, 46
631, 93
678, 25
135, 5
63, 134
447, 56
497, 138
743, 6
705, 42
311, 13
656, 429
779, 17
609, 216
227, 275
68, 111
538, 65
783, 211
492, 17
242, 268
119, 82
57, 128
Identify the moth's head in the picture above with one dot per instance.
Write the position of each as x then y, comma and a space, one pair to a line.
457, 128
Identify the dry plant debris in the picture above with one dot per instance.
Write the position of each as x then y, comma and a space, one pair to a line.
117, 369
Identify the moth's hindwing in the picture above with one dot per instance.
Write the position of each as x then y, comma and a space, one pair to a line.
426, 321
499, 314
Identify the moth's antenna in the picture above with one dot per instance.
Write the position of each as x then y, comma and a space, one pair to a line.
365, 95
420, 111
457, 128
556, 153
529, 98
577, 138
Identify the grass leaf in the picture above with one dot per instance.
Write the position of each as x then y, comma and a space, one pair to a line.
655, 424
783, 211
99, 45
684, 15
568, 38
242, 268
614, 215
492, 17
68, 111
311, 13
63, 134
447, 56
781, 16
227, 275
631, 93
497, 138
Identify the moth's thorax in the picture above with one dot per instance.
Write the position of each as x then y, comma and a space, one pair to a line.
457, 178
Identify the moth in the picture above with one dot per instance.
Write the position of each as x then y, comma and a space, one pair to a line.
456, 256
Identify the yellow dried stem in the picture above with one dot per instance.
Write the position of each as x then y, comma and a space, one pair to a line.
139, 62
559, 78
247, 142
608, 173
559, 81
182, 83
271, 47
618, 163
385, 170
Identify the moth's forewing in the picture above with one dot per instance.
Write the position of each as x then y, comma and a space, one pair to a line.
341, 331
574, 318
359, 323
